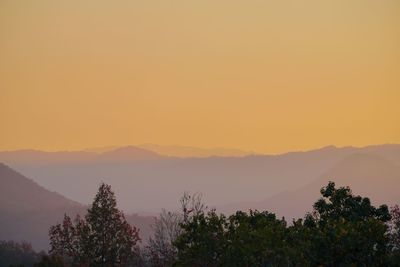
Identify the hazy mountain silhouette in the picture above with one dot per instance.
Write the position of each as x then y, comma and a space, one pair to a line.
126, 154
367, 175
101, 149
27, 210
156, 181
36, 157
181, 151
115, 154
195, 152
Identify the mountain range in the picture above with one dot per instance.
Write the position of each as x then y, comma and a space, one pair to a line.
145, 181
182, 151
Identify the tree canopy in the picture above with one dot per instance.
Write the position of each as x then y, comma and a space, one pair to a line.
102, 238
343, 229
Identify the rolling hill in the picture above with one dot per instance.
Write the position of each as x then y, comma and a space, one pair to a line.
27, 210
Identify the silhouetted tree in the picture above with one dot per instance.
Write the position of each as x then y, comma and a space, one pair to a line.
344, 230
202, 242
64, 239
102, 238
255, 239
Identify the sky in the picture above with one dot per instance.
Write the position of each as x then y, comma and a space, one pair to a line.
265, 76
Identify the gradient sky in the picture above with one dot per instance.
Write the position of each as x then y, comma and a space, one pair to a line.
267, 76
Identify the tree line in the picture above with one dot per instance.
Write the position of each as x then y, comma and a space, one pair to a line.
342, 230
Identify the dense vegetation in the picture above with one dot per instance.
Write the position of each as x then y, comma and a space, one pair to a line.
17, 254
342, 230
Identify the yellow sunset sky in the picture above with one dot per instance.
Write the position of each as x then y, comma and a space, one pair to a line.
265, 76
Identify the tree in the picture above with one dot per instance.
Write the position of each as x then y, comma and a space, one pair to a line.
160, 252
394, 234
244, 239
103, 238
63, 240
202, 242
394, 227
344, 230
255, 239
192, 205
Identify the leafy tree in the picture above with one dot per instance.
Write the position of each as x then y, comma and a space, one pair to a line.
102, 238
394, 227
255, 239
202, 242
394, 233
345, 230
299, 244
63, 240
112, 239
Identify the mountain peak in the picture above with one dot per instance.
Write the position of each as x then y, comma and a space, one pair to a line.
128, 153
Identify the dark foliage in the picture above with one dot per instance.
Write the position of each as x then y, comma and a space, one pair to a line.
394, 234
17, 254
343, 230
50, 261
103, 238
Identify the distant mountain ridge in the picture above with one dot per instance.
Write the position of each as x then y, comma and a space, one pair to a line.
156, 182
195, 152
128, 153
367, 175
287, 184
121, 154
153, 151
115, 153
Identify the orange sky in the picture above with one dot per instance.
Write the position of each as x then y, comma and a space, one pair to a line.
267, 76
